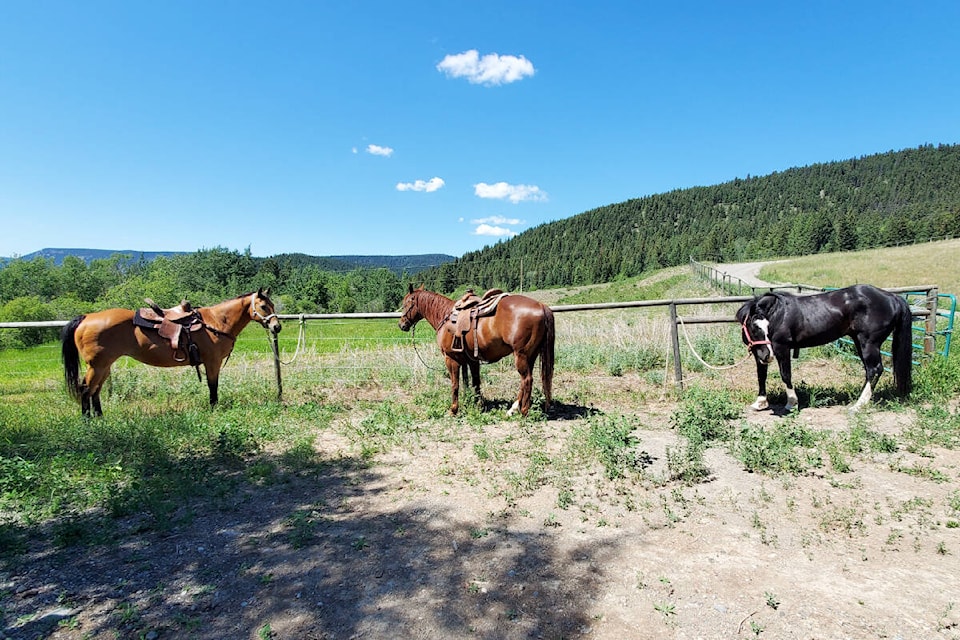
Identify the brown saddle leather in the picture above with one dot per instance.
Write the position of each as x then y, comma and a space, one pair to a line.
466, 314
171, 324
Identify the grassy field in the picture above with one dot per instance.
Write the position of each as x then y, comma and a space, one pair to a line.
934, 263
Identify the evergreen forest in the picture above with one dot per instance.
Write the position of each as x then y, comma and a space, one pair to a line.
872, 201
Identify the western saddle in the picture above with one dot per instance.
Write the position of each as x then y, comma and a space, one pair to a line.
466, 314
171, 324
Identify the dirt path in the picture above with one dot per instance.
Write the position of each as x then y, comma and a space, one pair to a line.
748, 272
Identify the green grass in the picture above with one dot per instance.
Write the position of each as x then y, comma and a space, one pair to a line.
635, 288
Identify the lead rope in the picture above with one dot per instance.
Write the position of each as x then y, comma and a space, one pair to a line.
702, 361
301, 341
413, 338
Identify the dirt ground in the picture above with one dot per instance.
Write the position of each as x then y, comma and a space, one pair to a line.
426, 543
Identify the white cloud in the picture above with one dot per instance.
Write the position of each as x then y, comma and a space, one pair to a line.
421, 185
488, 230
491, 69
513, 192
497, 220
377, 150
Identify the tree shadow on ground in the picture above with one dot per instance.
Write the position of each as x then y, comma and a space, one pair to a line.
305, 556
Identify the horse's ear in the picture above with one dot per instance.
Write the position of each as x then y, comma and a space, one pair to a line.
410, 287
266, 292
767, 303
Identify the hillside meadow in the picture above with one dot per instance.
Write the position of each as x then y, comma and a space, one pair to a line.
935, 263
357, 507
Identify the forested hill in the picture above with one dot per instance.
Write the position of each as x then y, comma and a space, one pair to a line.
871, 201
339, 264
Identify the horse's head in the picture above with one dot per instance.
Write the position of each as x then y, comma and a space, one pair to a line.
411, 309
754, 321
261, 310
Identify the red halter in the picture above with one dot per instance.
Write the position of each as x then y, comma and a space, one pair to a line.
751, 343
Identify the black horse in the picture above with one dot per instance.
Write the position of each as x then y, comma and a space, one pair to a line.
776, 323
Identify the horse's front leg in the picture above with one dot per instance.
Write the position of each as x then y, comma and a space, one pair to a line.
453, 368
212, 369
783, 360
761, 402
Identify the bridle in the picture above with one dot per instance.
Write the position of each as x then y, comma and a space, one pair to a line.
256, 315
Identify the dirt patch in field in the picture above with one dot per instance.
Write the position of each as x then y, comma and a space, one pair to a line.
456, 534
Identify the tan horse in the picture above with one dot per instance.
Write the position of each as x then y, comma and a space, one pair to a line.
521, 326
101, 338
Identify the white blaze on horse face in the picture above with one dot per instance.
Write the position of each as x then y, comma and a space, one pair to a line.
513, 409
764, 325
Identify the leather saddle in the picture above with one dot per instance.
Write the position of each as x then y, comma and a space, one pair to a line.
172, 324
467, 312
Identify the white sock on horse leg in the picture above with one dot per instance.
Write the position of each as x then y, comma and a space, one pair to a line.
760, 404
864, 398
792, 400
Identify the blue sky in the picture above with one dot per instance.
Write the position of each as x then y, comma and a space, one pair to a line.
367, 128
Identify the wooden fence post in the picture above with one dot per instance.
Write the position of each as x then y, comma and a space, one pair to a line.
675, 338
274, 343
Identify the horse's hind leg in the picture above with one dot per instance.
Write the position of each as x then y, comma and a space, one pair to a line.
90, 391
525, 369
873, 369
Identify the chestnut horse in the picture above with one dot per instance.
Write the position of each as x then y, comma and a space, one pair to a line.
101, 338
520, 325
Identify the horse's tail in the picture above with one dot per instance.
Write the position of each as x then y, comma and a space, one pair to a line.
902, 349
547, 355
71, 357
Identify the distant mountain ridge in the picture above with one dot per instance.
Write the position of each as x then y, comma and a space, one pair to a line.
397, 264
89, 255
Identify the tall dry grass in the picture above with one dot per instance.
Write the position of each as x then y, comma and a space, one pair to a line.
932, 263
